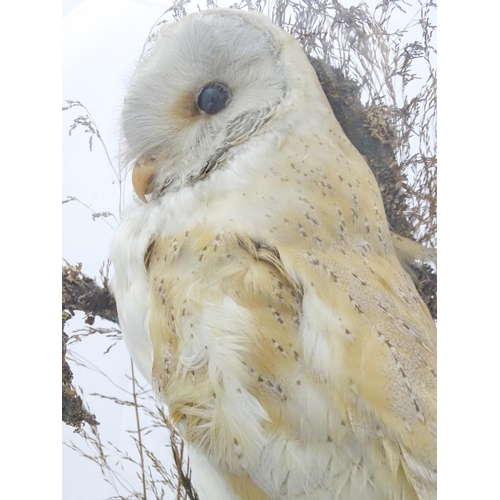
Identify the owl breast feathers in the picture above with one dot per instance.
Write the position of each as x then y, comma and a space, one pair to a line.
257, 284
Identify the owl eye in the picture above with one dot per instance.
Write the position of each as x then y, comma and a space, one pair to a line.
213, 98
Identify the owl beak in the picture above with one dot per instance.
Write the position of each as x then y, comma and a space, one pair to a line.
142, 178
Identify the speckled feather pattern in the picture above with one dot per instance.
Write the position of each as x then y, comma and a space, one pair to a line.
266, 305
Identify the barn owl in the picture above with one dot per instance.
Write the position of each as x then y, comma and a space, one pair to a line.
256, 280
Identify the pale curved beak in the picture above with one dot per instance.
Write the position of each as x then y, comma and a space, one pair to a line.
142, 178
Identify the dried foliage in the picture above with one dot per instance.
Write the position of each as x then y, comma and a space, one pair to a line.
155, 479
73, 411
87, 122
81, 293
381, 84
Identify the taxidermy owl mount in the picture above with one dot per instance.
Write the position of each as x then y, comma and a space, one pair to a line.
256, 280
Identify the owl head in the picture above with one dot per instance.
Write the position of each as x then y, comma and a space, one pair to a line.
210, 83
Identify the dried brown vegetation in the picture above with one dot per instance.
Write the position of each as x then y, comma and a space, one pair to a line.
381, 84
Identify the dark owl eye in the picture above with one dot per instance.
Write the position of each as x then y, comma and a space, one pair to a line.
213, 98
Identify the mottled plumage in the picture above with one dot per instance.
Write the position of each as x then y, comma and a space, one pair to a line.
258, 289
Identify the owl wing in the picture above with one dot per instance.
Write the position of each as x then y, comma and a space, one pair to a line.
372, 336
259, 345
223, 316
